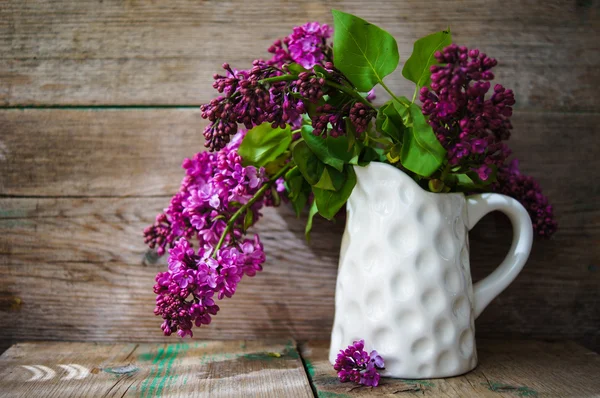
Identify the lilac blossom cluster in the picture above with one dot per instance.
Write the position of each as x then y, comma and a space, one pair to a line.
331, 120
356, 365
215, 186
360, 115
473, 128
186, 292
467, 124
254, 96
329, 116
527, 191
307, 46
263, 94
270, 92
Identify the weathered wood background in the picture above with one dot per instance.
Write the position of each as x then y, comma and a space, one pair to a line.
123, 80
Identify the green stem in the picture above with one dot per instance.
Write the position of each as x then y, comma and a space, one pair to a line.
389, 91
415, 95
282, 78
245, 207
348, 91
445, 172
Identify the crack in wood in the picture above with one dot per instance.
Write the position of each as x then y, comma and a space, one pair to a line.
131, 353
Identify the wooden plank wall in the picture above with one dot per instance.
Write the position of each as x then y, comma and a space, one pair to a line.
122, 81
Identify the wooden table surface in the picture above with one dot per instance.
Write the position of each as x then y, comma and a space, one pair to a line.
191, 368
99, 105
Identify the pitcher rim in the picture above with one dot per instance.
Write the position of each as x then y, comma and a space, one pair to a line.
387, 165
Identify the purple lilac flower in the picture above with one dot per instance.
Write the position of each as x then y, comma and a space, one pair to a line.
328, 114
310, 86
185, 293
356, 365
243, 96
371, 95
212, 182
214, 186
307, 46
251, 100
331, 120
360, 116
276, 193
528, 192
467, 124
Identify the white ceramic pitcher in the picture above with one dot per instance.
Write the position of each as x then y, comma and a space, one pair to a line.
404, 280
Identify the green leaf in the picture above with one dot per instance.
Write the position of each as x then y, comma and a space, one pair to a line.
300, 199
363, 52
381, 140
298, 189
339, 147
350, 134
248, 219
465, 183
417, 67
299, 202
296, 68
263, 144
389, 121
309, 165
330, 202
371, 154
331, 179
311, 110
403, 109
309, 222
330, 150
291, 173
320, 71
273, 167
306, 120
470, 181
421, 153
294, 186
336, 99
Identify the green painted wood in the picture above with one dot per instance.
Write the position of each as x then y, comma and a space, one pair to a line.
185, 368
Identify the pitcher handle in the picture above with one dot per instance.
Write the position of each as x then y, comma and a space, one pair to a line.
491, 286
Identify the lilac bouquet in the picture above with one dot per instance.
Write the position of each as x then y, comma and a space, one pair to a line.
293, 127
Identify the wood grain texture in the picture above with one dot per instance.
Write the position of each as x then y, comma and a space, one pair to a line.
73, 262
96, 152
78, 185
79, 268
123, 152
506, 369
144, 52
185, 369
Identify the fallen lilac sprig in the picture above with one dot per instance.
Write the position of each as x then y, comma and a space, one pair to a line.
355, 364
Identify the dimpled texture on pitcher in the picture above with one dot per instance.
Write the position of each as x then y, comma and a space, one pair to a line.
404, 283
